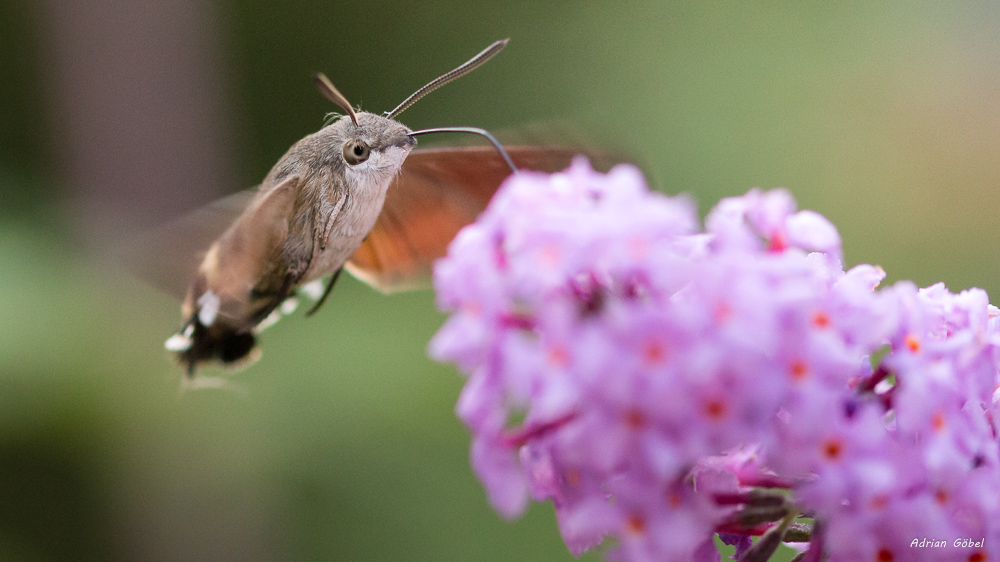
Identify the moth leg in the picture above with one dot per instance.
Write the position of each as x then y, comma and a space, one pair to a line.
326, 292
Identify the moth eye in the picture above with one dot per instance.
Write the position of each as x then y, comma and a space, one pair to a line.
356, 152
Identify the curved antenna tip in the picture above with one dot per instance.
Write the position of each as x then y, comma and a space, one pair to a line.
331, 93
470, 65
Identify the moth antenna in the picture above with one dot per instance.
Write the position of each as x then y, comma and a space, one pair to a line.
473, 63
475, 131
331, 93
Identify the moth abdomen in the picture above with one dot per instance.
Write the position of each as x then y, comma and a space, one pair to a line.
197, 343
228, 338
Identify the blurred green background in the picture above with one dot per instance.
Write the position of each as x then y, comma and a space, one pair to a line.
117, 114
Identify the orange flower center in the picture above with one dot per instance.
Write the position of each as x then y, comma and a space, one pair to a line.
634, 419
673, 499
723, 312
833, 449
715, 408
879, 502
937, 422
654, 352
798, 369
941, 496
820, 319
573, 477
558, 356
635, 525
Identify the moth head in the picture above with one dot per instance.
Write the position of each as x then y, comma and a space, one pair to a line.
380, 144
374, 148
371, 145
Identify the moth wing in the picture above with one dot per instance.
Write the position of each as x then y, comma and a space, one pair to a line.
436, 193
252, 266
168, 257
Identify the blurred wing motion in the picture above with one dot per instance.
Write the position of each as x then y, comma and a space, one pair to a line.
437, 192
169, 256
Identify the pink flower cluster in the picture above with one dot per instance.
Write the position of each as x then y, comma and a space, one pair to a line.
660, 383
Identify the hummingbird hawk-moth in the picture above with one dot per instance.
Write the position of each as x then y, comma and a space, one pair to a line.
355, 195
